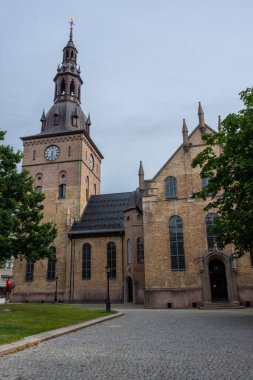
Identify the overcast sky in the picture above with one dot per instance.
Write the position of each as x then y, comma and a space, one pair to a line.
145, 65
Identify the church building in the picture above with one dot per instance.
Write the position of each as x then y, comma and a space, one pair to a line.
156, 239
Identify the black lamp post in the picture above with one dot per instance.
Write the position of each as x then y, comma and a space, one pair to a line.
56, 285
108, 301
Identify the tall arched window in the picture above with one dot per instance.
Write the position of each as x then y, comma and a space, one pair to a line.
129, 251
211, 238
72, 87
86, 262
176, 243
140, 250
29, 271
51, 266
111, 258
171, 187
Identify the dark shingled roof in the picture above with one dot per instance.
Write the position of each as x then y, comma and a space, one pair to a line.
103, 214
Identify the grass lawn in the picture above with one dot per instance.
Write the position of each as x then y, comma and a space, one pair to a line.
18, 321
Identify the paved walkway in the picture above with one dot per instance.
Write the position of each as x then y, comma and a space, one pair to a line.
145, 344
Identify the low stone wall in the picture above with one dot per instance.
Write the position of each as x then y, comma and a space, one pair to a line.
173, 298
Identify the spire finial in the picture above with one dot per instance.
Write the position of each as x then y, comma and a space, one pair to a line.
72, 18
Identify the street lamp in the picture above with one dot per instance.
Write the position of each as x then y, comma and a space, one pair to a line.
108, 301
56, 285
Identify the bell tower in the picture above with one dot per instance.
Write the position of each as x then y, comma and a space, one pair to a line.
65, 164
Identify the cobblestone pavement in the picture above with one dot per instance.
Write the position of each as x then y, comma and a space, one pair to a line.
145, 344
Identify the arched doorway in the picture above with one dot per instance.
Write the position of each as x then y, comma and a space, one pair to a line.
218, 281
129, 289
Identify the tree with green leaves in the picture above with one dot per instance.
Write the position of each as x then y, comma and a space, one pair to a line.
22, 233
230, 186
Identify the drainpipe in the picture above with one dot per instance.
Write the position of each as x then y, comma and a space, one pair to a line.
73, 268
122, 262
70, 270
79, 180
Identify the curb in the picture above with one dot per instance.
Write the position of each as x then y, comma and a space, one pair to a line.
42, 337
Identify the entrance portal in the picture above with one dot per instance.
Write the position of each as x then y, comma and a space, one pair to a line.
218, 281
129, 289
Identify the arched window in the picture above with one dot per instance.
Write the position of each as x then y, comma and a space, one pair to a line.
204, 182
38, 189
51, 266
95, 189
111, 258
75, 120
140, 250
29, 271
79, 92
72, 54
129, 251
86, 262
67, 55
171, 187
63, 86
34, 154
211, 238
62, 191
176, 243
72, 87
69, 151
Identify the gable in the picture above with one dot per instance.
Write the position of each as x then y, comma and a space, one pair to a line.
195, 140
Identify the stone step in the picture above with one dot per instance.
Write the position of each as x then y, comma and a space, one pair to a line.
221, 305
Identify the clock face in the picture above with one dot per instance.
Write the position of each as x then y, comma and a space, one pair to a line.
52, 152
91, 162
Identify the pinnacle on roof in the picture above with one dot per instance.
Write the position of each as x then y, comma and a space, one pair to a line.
88, 119
43, 116
201, 118
141, 177
219, 124
141, 170
185, 136
184, 129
